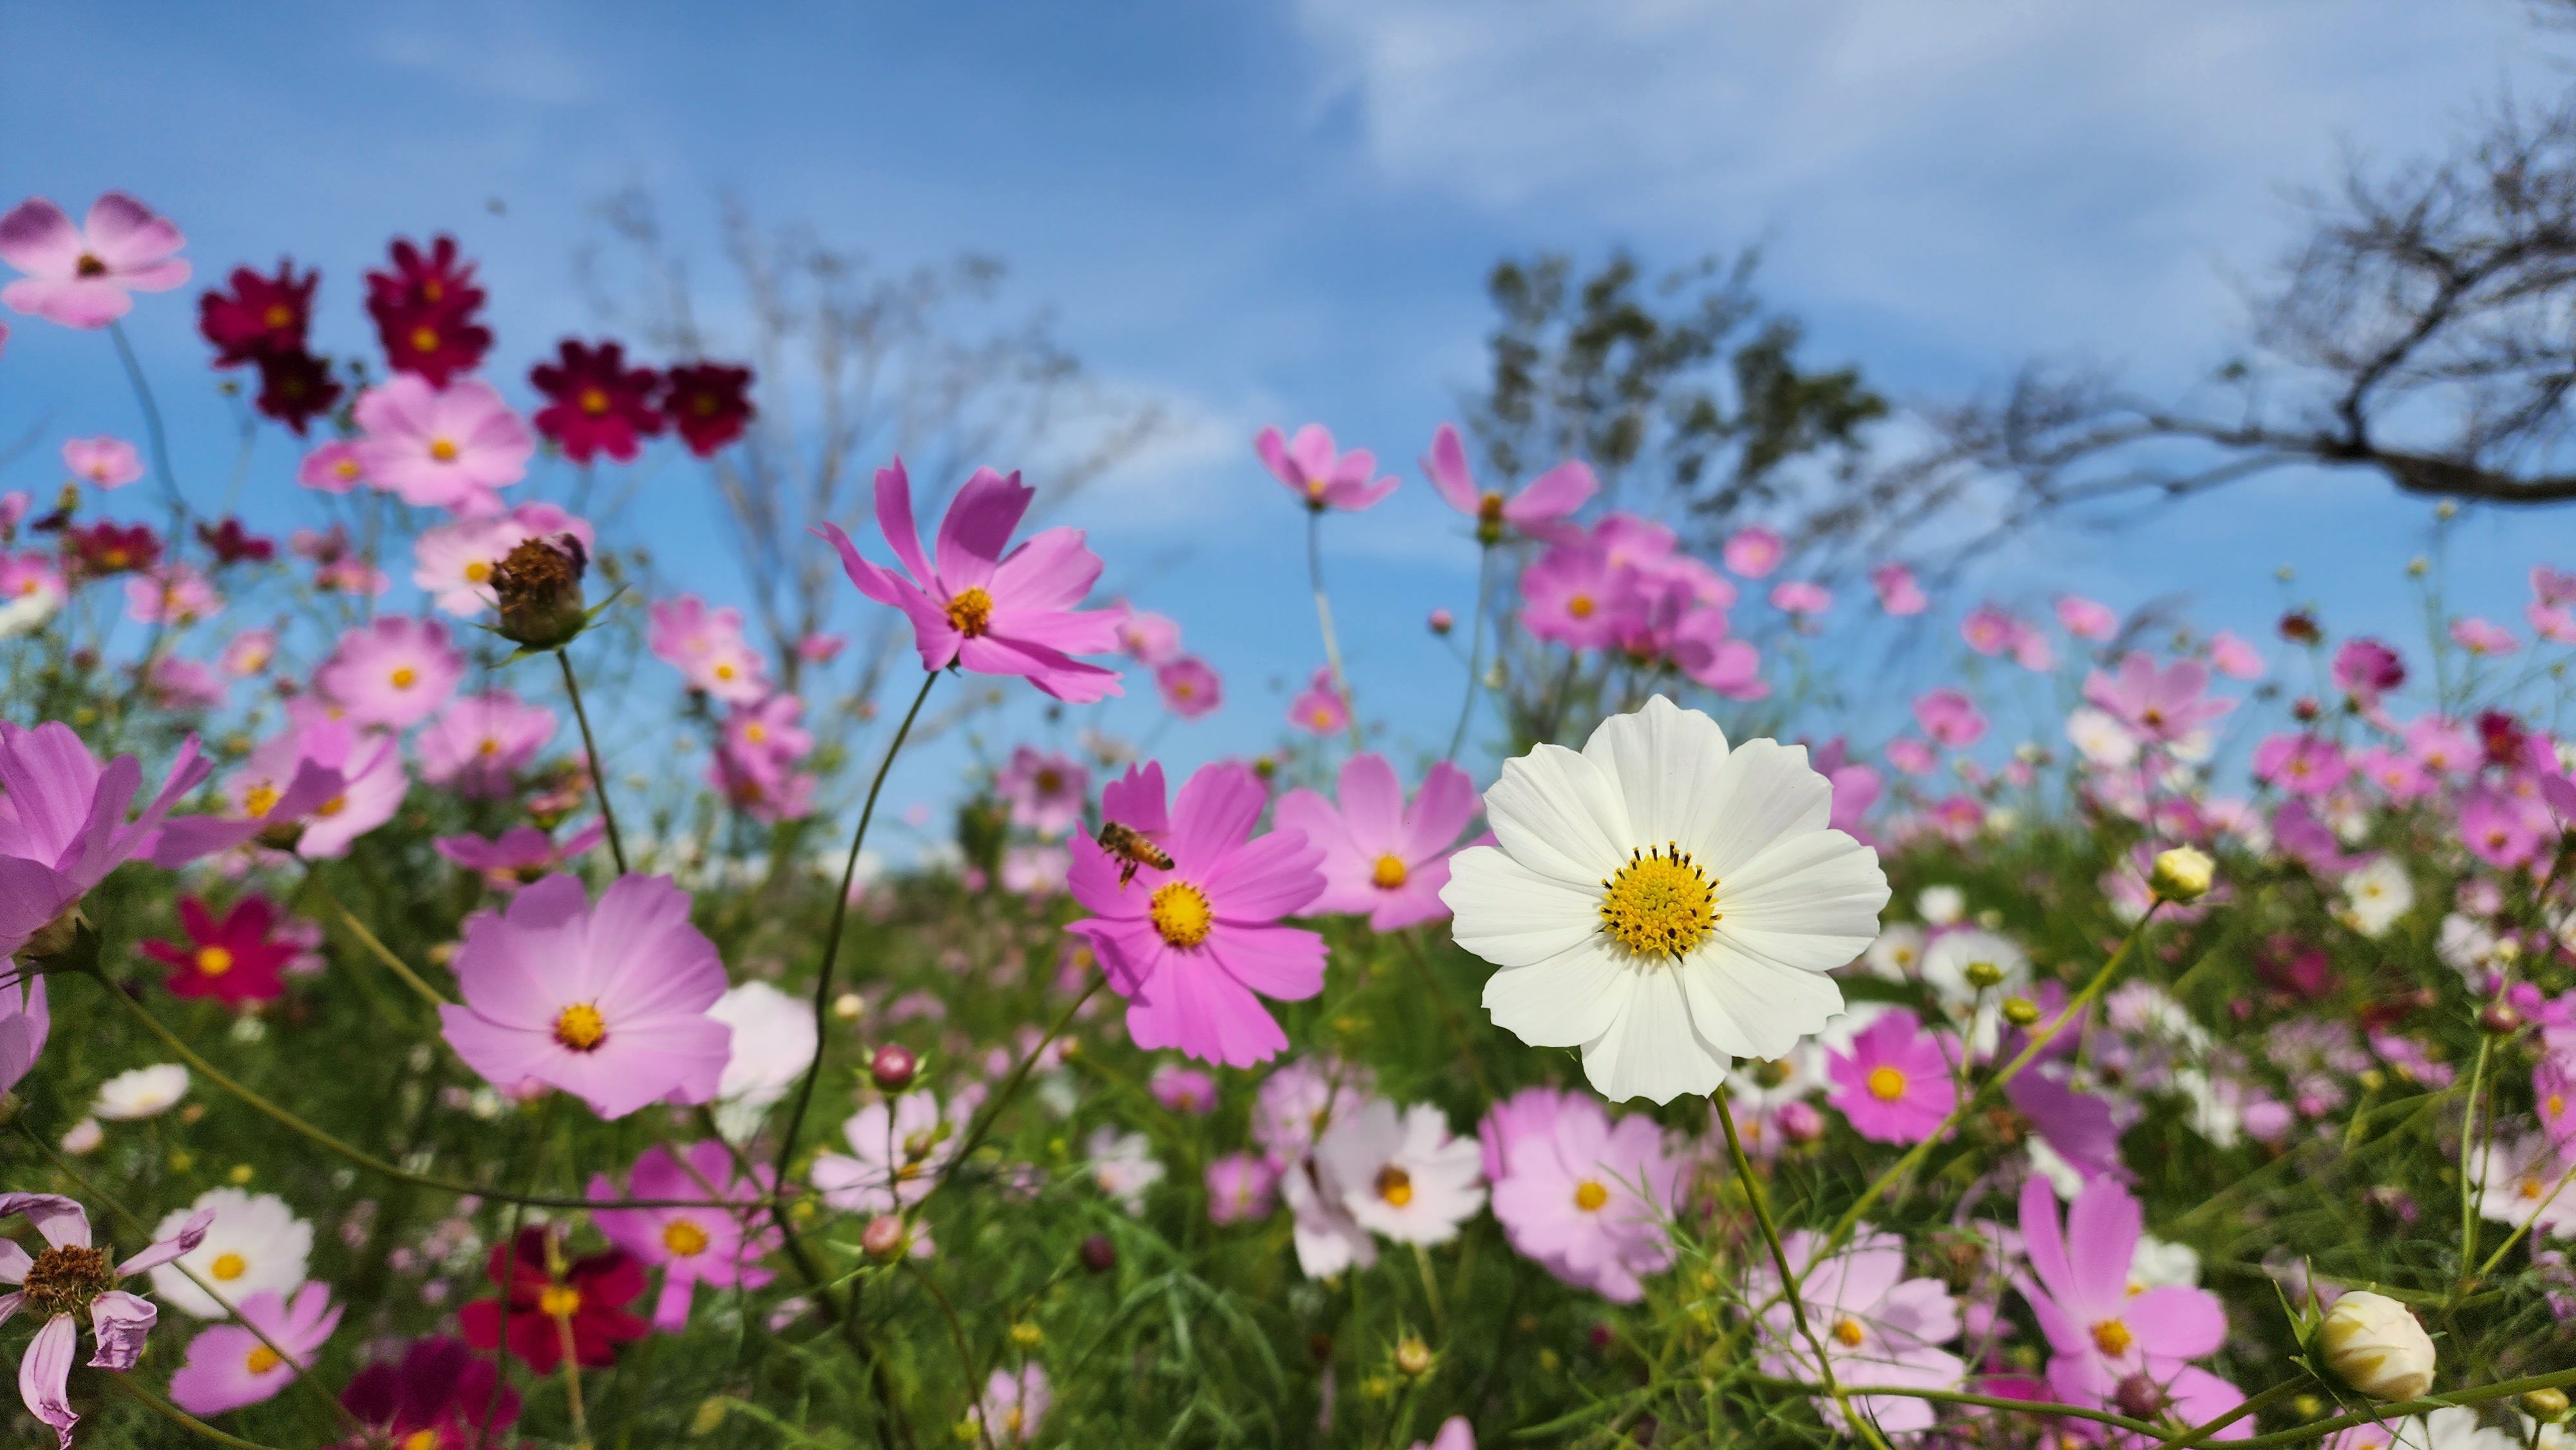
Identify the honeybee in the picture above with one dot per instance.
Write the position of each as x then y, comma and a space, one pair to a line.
1132, 850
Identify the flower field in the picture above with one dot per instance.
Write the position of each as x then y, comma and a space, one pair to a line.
2146, 1033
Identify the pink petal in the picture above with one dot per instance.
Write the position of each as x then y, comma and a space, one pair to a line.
60, 1220
1312, 452
1372, 802
2176, 1321
1136, 799
1446, 466
37, 238
1264, 880
1278, 962
1416, 901
1215, 813
894, 519
1207, 1014
1440, 810
84, 302
154, 1255
1052, 571
118, 1324
1553, 494
44, 1376
2101, 1238
127, 236
978, 527
1274, 453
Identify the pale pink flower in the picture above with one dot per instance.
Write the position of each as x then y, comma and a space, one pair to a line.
2305, 765
821, 649
1014, 1405
1950, 718
2160, 706
1318, 475
1401, 1175
1183, 1089
1320, 708
175, 595
248, 653
1540, 510
1753, 553
1382, 856
520, 856
896, 1154
768, 732
453, 447
1587, 1199
1241, 1187
177, 684
2086, 619
1190, 687
2234, 658
1914, 757
103, 462
229, 1366
1879, 1328
708, 647
1576, 597
479, 742
1898, 593
335, 467
30, 576
321, 775
1990, 631
1148, 639
63, 824
80, 276
393, 673
1793, 596
2481, 637
1045, 790
1300, 1101
712, 1246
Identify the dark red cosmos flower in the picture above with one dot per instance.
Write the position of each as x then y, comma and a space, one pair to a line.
589, 1297
435, 1399
232, 544
424, 311
710, 403
2503, 739
234, 960
261, 315
296, 387
599, 405
108, 547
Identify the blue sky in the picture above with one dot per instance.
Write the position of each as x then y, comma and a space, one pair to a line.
1283, 211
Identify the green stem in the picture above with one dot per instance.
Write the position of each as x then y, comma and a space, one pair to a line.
956, 1337
590, 748
400, 968
152, 431
2253, 1406
1475, 648
992, 1110
180, 1417
1324, 618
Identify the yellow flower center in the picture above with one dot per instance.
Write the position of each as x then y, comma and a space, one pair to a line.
2531, 1187
971, 612
442, 449
1589, 1196
214, 961
2112, 1337
264, 1359
332, 807
228, 1267
1389, 873
559, 1301
581, 1028
259, 799
89, 266
478, 572
404, 677
1489, 509
424, 339
1047, 782
1580, 606
420, 1440
594, 402
1660, 904
1848, 1333
347, 468
1886, 1084
684, 1238
278, 314
1323, 717
756, 733
489, 746
724, 670
1180, 912
1395, 1185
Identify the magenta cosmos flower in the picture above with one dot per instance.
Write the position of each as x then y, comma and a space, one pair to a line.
519, 856
1324, 479
63, 825
1190, 687
1382, 856
1898, 592
313, 788
229, 1366
1047, 790
392, 673
2101, 1329
1586, 1198
981, 609
2085, 618
607, 1003
80, 276
478, 743
1320, 709
707, 647
1539, 510
451, 447
1896, 1084
1950, 718
2160, 706
1193, 948
69, 1278
1754, 552
693, 1245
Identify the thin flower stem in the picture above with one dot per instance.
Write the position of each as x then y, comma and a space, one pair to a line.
590, 748
2526, 1225
1990, 1402
1324, 618
2468, 1150
180, 1417
510, 1276
957, 1337
2386, 1412
572, 1383
2253, 1405
152, 431
992, 1111
1475, 649
400, 968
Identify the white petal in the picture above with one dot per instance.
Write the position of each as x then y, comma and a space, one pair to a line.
1764, 792
1812, 900
1565, 1001
1513, 916
1752, 1006
1558, 814
1669, 764
1652, 1052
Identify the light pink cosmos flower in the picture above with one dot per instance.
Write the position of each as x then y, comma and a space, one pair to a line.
1794, 596
1014, 1405
1047, 790
1401, 1175
1879, 1328
1950, 718
248, 653
1319, 477
1196, 947
1574, 596
455, 562
2442, 746
30, 576
393, 673
24, 1025
2234, 658
1753, 553
1896, 1082
1241, 1188
1035, 870
1914, 757
896, 1154
1456, 1433
769, 731
1586, 1199
519, 856
62, 821
1190, 687
119, 1321
2099, 1331
2501, 830
1382, 856
478, 743
452, 448
2305, 765
2483, 637
821, 649
1148, 639
2161, 706
979, 608
1541, 510
180, 685
323, 775
1320, 709
693, 1246
80, 276
103, 462
2085, 618
2555, 625
1183, 1089
335, 467
607, 1003
228, 1365
1302, 1100
708, 648
1991, 631
175, 595
1898, 593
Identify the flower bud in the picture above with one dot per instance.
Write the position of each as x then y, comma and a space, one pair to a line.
2374, 1344
539, 588
1099, 1255
883, 1238
1985, 975
2182, 874
2544, 1405
2139, 1397
2500, 1019
2021, 1011
1442, 621
893, 1067
1027, 1335
1413, 1358
1799, 1122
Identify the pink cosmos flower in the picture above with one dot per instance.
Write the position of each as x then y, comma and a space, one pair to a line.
607, 1003
175, 595
1898, 593
2365, 669
1540, 510
393, 673
1014, 1405
2441, 746
323, 775
477, 744
979, 608
1303, 1099
30, 576
2555, 625
1195, 948
1381, 855
1190, 687
1241, 1188
248, 653
2160, 706
693, 1245
1950, 718
2085, 619
769, 731
1914, 757
1753, 553
1183, 1089
453, 447
80, 276
2395, 773
708, 648
1456, 1433
1320, 708
2306, 765
2501, 830
1574, 596
896, 1154
1046, 790
24, 1025
1792, 596
229, 1367
1895, 1084
1990, 631
1035, 870
2235, 658
1585, 1198
821, 649
2482, 637
79, 1279
1148, 639
1311, 469
335, 467
519, 856
2101, 1333
62, 821
1879, 1328
103, 462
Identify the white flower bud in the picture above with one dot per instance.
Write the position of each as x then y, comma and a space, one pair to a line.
2377, 1347
2182, 874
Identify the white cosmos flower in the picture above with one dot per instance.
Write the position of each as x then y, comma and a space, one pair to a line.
2101, 739
1897, 952
1405, 1177
256, 1243
1124, 1166
1941, 905
773, 1042
146, 1092
2376, 895
1663, 902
